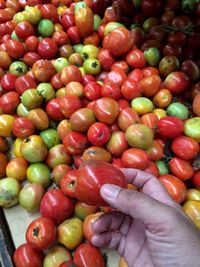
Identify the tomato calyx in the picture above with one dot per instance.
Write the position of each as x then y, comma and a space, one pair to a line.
36, 231
196, 163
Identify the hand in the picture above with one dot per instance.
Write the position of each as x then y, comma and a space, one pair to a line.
149, 228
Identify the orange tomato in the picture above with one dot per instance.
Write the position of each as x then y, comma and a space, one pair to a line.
87, 224
122, 262
3, 164
4, 144
162, 98
16, 168
84, 19
175, 187
196, 105
97, 153
150, 85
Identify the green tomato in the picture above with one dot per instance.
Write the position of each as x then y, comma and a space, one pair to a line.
152, 56
142, 105
50, 137
89, 51
78, 48
14, 36
20, 17
135, 25
79, 5
192, 128
92, 66
9, 192
178, 110
22, 111
162, 167
46, 27
148, 23
31, 99
18, 68
39, 173
33, 14
188, 6
97, 22
46, 91
60, 63
111, 26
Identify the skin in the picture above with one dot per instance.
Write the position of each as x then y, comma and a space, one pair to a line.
148, 228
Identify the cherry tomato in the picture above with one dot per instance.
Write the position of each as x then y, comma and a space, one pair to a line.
175, 187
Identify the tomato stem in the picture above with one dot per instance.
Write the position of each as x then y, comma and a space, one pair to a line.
189, 29
36, 231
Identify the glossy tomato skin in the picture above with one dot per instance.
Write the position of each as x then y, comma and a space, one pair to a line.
170, 127
8, 82
75, 143
87, 224
25, 256
196, 179
15, 48
98, 134
135, 158
92, 174
53, 110
24, 30
23, 127
67, 183
185, 147
181, 168
177, 82
87, 255
47, 48
175, 187
56, 206
24, 82
9, 102
41, 233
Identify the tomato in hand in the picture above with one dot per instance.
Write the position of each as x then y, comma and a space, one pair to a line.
41, 233
92, 174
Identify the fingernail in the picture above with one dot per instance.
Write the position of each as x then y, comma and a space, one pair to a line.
110, 191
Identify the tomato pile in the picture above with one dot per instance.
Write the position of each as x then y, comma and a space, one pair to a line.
81, 82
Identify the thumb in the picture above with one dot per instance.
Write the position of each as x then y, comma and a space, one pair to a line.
135, 204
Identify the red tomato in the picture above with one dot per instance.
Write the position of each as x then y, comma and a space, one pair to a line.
135, 59
170, 127
41, 233
56, 206
92, 174
151, 8
43, 70
92, 90
49, 11
31, 43
67, 183
196, 179
69, 74
74, 35
175, 187
75, 143
24, 30
136, 75
9, 102
15, 48
150, 85
30, 58
24, 82
53, 109
117, 76
110, 89
106, 110
177, 82
131, 89
153, 169
60, 37
3, 164
127, 117
47, 48
185, 147
8, 82
118, 42
135, 158
25, 256
23, 127
156, 151
67, 21
106, 59
181, 168
87, 255
69, 104
84, 20
98, 134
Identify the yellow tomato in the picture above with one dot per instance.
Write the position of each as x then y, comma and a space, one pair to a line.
16, 148
193, 194
192, 209
6, 122
160, 113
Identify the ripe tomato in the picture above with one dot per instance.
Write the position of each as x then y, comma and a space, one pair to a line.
15, 49
127, 117
69, 104
150, 85
31, 43
47, 48
181, 168
3, 164
185, 147
155, 151
135, 158
8, 82
92, 90
9, 102
87, 224
25, 256
70, 74
24, 30
41, 233
97, 153
117, 76
87, 255
98, 134
24, 82
162, 98
170, 127
75, 143
56, 206
53, 109
175, 187
84, 20
131, 89
177, 82
135, 59
196, 105
67, 183
110, 89
92, 174
118, 42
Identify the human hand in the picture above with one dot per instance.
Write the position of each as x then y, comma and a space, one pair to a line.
149, 228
